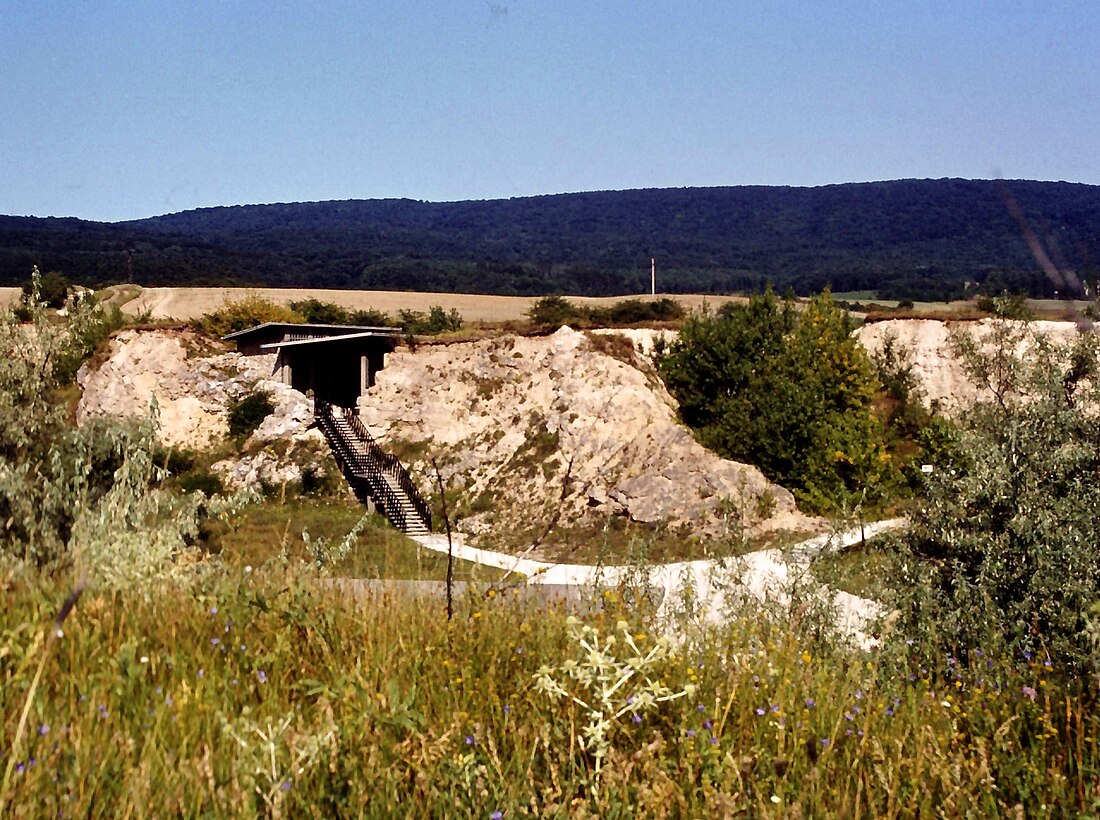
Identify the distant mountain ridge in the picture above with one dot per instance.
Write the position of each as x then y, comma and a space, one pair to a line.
916, 238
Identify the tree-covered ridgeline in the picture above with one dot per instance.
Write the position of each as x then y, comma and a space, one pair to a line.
915, 239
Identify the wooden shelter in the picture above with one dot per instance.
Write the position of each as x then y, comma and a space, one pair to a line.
336, 363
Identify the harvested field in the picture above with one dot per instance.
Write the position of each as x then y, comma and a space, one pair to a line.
9, 296
190, 303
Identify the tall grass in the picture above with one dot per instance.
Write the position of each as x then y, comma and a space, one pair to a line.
267, 694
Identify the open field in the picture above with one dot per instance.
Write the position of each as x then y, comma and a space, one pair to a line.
9, 296
190, 303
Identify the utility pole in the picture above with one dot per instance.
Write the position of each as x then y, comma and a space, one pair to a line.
653, 275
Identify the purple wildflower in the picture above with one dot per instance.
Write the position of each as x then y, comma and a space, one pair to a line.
469, 740
43, 729
261, 675
497, 815
285, 785
1029, 692
691, 733
637, 719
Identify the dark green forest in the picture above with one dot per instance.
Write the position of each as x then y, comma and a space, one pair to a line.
916, 239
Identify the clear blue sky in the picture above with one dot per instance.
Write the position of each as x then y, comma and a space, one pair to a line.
122, 110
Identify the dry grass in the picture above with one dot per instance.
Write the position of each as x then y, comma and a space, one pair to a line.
190, 303
9, 296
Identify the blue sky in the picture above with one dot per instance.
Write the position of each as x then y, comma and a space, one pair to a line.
122, 110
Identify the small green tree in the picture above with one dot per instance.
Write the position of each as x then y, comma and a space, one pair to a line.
1006, 540
788, 391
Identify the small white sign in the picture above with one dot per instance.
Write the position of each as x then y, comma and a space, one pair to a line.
926, 468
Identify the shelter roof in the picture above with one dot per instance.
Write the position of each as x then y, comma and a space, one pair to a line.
318, 331
344, 337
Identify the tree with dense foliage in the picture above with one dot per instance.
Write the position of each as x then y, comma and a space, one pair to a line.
788, 391
1007, 537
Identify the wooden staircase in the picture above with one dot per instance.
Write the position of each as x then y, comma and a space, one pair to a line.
374, 475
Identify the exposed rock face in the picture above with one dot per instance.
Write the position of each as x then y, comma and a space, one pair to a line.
943, 381
509, 418
193, 394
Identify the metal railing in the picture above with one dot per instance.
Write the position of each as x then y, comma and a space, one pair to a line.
367, 467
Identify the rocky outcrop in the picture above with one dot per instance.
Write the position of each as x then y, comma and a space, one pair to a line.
525, 424
192, 387
943, 382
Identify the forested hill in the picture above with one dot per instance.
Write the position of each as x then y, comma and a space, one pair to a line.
904, 238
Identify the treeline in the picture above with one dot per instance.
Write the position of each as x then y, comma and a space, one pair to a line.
916, 239
555, 311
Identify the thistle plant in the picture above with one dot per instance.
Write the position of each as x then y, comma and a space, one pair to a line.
609, 678
271, 756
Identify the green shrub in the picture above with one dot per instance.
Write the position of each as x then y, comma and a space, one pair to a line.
51, 289
1007, 537
315, 312
245, 313
200, 480
248, 413
371, 318
436, 321
554, 311
787, 391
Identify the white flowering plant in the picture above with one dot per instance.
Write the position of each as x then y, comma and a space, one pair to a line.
611, 677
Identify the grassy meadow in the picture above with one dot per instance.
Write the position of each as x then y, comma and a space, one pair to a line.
264, 693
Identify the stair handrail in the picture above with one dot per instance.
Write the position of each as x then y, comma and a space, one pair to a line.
370, 462
393, 466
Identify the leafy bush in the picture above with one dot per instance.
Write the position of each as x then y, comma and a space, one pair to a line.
436, 321
248, 413
1006, 306
315, 312
202, 481
789, 392
555, 311
245, 313
1007, 538
370, 317
51, 289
